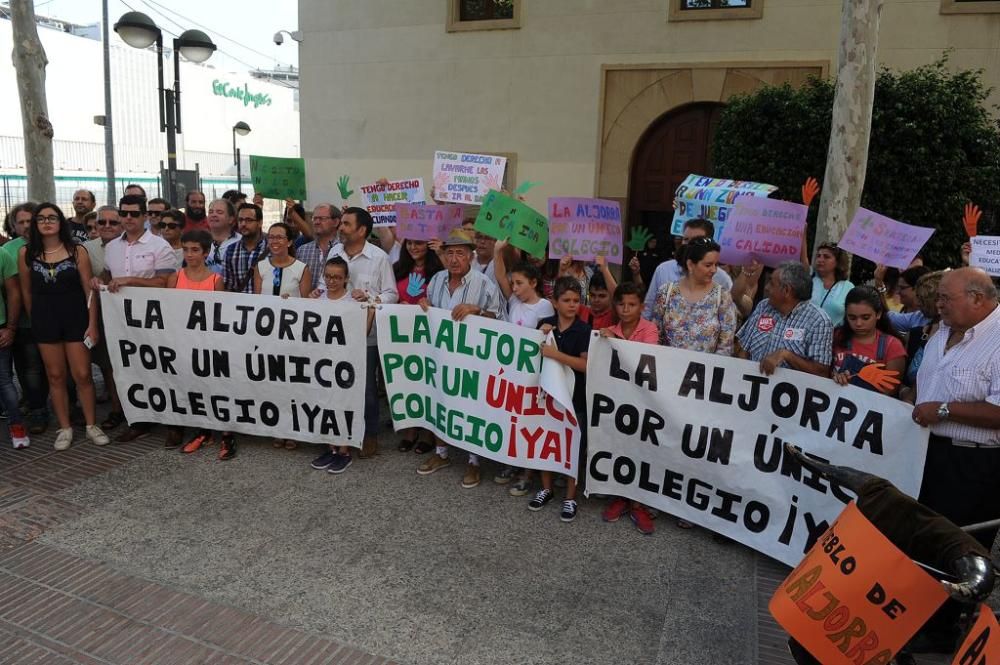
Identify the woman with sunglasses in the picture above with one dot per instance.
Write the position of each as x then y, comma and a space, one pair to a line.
830, 283
55, 276
169, 228
280, 273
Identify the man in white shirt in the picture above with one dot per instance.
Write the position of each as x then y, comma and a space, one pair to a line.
136, 258
958, 398
371, 281
670, 271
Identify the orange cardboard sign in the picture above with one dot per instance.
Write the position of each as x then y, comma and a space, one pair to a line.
855, 599
982, 644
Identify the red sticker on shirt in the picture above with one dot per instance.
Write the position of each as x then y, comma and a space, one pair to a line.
765, 323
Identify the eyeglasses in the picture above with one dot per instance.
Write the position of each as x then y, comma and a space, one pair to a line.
246, 219
108, 222
47, 219
334, 278
168, 225
271, 238
135, 214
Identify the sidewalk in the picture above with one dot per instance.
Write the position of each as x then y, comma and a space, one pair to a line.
133, 553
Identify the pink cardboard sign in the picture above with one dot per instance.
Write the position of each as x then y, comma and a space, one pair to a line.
423, 222
883, 240
767, 230
585, 229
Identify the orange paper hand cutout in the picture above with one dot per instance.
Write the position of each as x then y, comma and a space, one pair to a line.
971, 219
879, 377
809, 190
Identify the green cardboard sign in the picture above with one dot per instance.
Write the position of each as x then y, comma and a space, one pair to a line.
503, 217
278, 177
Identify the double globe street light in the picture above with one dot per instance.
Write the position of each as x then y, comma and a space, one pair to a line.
139, 31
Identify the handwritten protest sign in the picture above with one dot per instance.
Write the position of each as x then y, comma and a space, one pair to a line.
585, 229
767, 230
427, 222
461, 177
982, 644
261, 365
855, 598
986, 254
711, 199
502, 217
651, 440
883, 240
278, 177
380, 199
476, 384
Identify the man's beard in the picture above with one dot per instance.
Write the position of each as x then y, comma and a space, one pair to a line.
197, 214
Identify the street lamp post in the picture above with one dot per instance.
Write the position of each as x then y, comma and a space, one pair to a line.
242, 129
139, 31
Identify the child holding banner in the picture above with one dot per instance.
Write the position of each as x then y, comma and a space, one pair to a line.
197, 276
572, 338
632, 327
866, 338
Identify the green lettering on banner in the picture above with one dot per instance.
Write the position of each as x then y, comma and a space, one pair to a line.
278, 177
503, 217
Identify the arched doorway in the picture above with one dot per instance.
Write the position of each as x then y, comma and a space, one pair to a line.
673, 147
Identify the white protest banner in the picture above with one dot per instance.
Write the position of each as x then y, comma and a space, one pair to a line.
883, 240
380, 198
476, 384
767, 230
701, 436
986, 254
461, 177
712, 199
262, 365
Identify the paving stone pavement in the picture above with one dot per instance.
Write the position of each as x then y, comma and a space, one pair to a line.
136, 554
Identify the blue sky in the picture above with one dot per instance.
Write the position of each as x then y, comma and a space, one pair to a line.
252, 23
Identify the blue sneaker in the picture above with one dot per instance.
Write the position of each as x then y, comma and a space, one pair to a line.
325, 460
340, 463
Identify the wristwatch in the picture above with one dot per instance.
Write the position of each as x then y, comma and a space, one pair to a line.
943, 411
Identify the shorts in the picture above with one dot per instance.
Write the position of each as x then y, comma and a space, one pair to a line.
59, 320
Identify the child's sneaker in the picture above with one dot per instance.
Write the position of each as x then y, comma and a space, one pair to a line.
97, 436
19, 437
540, 499
195, 444
568, 513
521, 486
643, 522
615, 510
340, 463
64, 439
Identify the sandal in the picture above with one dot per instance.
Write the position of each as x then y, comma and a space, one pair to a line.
406, 445
278, 443
114, 419
423, 447
290, 445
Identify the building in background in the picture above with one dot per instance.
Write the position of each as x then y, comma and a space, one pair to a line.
212, 101
608, 98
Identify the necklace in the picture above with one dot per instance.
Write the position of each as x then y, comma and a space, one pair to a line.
52, 251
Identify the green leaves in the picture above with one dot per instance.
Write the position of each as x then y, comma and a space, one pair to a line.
640, 236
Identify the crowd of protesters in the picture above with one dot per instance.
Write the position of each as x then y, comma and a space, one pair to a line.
938, 331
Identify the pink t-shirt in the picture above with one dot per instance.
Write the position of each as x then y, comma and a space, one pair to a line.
645, 331
867, 353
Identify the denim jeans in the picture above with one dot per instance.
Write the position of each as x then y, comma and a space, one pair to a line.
31, 371
8, 391
371, 393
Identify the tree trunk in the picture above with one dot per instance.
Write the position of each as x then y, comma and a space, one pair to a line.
847, 158
29, 62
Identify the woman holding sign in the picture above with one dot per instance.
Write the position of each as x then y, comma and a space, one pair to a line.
830, 283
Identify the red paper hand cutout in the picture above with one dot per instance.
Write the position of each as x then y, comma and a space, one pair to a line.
881, 378
809, 190
971, 219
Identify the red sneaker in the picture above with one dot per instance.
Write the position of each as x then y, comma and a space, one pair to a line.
195, 444
615, 510
643, 522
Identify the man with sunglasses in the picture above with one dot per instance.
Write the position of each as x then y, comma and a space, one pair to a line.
154, 210
136, 258
242, 257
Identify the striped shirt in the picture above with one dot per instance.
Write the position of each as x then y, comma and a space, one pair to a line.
475, 289
806, 332
314, 256
967, 372
216, 258
240, 263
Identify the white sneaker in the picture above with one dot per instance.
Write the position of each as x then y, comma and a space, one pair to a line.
64, 439
19, 437
96, 436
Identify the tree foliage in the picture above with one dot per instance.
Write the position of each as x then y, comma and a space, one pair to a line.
934, 146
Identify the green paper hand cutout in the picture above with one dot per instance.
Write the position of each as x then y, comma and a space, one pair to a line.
342, 186
525, 186
640, 236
